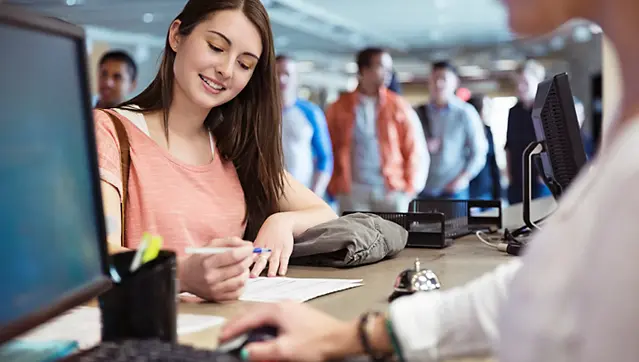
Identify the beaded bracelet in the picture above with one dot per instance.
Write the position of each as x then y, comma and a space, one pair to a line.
365, 338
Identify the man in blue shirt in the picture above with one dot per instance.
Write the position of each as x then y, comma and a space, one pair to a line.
454, 136
306, 143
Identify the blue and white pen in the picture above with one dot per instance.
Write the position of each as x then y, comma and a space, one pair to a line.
212, 251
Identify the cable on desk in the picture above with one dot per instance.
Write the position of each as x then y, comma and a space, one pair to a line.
505, 243
484, 238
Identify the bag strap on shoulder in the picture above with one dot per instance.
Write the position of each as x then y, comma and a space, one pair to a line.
125, 160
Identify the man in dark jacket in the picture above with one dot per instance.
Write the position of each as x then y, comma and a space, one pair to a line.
487, 184
521, 132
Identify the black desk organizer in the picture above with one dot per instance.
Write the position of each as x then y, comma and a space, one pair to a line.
143, 305
436, 223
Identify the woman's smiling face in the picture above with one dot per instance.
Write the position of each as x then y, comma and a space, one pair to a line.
216, 60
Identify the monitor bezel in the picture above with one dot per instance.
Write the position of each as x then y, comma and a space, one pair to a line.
28, 20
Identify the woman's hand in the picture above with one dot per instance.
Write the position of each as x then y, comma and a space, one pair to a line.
218, 277
276, 234
304, 334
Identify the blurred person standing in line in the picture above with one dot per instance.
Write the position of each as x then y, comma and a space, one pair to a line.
394, 84
455, 137
589, 144
487, 184
308, 154
380, 151
521, 132
117, 78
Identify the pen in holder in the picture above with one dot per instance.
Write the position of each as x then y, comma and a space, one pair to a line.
143, 305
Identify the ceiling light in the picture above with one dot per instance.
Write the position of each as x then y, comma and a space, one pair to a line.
71, 2
351, 83
506, 64
351, 67
405, 77
472, 71
147, 18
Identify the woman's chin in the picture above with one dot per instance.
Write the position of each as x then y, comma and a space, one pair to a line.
210, 101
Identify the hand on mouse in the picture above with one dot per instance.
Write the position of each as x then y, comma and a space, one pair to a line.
218, 277
304, 334
276, 234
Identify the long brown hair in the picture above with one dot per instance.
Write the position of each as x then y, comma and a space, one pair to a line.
247, 129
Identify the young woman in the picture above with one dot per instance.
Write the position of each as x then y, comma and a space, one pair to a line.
206, 157
573, 296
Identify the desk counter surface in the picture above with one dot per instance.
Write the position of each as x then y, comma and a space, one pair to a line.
465, 260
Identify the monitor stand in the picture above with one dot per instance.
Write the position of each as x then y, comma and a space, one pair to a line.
37, 351
533, 150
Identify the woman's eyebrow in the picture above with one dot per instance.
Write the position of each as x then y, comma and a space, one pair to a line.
229, 42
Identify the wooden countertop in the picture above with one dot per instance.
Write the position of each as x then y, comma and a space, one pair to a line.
465, 260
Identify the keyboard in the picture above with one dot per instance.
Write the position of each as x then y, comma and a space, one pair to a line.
150, 351
30, 351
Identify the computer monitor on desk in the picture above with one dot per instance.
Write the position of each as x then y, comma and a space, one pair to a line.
51, 224
559, 147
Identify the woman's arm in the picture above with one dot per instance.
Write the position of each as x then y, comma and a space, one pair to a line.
302, 208
108, 147
112, 213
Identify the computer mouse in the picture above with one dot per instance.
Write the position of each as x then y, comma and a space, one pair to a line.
234, 346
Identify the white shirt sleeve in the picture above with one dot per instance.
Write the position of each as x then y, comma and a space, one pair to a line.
576, 299
460, 322
609, 303
421, 175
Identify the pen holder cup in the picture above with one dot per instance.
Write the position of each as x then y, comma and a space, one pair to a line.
143, 305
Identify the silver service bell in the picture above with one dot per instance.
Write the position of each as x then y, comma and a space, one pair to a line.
414, 280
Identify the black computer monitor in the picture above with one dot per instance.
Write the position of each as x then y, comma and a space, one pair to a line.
559, 146
52, 229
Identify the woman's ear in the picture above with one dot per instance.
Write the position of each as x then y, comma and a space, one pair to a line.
174, 35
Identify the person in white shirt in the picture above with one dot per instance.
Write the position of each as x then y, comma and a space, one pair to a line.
573, 295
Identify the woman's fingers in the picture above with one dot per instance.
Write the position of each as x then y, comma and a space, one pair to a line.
231, 285
274, 263
259, 265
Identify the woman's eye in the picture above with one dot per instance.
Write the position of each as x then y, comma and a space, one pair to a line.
244, 66
215, 49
